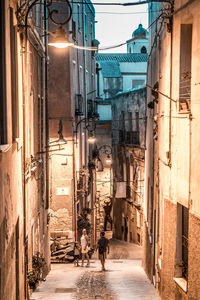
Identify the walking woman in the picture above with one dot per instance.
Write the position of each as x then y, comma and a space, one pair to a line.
84, 247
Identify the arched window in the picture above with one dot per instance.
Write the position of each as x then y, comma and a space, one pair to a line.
143, 49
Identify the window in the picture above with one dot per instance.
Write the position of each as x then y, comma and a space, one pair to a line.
74, 30
122, 128
78, 104
143, 49
85, 26
79, 18
138, 238
138, 219
90, 108
13, 51
81, 79
136, 133
182, 241
136, 82
3, 112
129, 133
92, 30
185, 67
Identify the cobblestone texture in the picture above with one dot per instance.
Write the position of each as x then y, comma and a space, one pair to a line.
124, 279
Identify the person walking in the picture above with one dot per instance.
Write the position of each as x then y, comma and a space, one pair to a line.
76, 253
103, 247
84, 247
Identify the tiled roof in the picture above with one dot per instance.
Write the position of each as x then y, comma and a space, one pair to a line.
110, 69
122, 57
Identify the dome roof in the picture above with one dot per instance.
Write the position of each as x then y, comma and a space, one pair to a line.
140, 31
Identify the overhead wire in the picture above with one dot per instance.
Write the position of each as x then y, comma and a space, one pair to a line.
140, 2
136, 37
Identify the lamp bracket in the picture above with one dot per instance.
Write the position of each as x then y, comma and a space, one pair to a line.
24, 10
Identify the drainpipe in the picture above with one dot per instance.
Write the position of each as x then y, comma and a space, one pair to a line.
190, 161
46, 107
85, 79
170, 92
24, 57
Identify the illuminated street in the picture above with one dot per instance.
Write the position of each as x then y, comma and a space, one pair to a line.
99, 142
123, 279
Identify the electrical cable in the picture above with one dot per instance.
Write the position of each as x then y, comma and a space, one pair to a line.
125, 13
134, 38
141, 2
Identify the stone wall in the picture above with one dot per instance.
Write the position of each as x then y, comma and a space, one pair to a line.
23, 169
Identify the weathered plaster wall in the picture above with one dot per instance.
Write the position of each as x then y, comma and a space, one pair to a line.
72, 73
174, 155
23, 213
129, 163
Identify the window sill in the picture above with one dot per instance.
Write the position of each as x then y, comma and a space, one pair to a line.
182, 283
181, 112
5, 148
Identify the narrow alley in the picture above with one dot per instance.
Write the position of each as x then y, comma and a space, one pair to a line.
99, 140
124, 278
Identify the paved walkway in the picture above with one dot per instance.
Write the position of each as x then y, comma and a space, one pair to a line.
123, 280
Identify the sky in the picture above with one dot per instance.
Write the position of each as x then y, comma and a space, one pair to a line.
115, 24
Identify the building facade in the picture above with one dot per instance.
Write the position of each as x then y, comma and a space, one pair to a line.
128, 142
24, 207
119, 77
171, 214
72, 109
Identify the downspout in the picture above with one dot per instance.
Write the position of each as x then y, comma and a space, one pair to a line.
85, 79
47, 157
46, 108
190, 161
24, 52
86, 145
74, 191
74, 163
170, 92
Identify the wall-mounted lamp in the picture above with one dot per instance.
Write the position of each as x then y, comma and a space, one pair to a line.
102, 150
108, 160
90, 126
60, 39
91, 138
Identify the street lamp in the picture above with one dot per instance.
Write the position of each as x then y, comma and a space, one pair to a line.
60, 40
109, 159
91, 138
103, 150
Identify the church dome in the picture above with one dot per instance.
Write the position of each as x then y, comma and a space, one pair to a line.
140, 31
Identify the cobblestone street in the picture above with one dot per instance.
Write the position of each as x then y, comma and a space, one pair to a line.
123, 279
